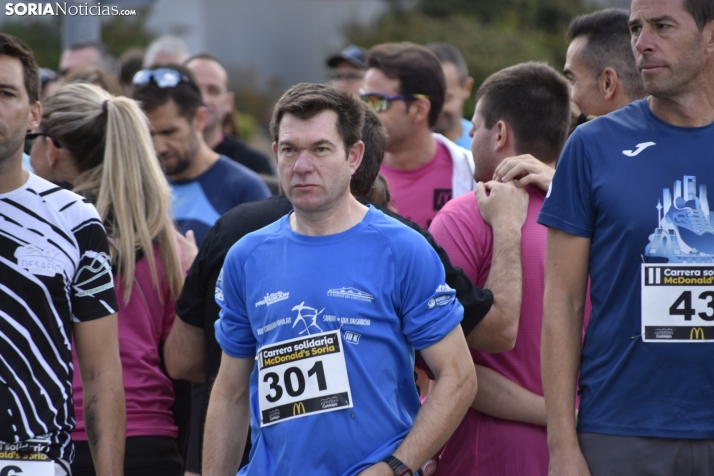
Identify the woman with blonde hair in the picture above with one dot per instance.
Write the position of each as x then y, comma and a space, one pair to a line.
101, 145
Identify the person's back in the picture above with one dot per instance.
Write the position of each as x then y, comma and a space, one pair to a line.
522, 109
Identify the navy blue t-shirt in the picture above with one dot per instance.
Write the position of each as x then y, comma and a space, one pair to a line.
637, 188
199, 202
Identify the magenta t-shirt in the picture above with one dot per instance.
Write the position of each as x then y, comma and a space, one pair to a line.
484, 445
143, 323
420, 193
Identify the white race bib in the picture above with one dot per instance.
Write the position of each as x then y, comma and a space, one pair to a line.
302, 376
27, 467
677, 302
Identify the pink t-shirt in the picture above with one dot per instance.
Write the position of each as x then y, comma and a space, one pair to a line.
420, 193
484, 445
143, 323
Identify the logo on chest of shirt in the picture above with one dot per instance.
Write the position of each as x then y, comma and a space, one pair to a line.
40, 262
272, 298
350, 293
441, 197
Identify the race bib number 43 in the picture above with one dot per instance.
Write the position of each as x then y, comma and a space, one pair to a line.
677, 303
301, 377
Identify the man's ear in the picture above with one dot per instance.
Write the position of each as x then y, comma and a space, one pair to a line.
199, 119
467, 87
230, 102
355, 155
421, 108
35, 116
503, 135
609, 82
275, 151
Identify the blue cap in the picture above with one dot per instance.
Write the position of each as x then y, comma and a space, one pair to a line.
354, 55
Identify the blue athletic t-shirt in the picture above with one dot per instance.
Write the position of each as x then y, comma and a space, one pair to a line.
381, 287
637, 187
199, 202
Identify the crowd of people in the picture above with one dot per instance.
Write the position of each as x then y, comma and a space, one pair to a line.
397, 291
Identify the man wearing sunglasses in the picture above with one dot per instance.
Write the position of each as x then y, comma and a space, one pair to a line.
205, 184
347, 69
405, 85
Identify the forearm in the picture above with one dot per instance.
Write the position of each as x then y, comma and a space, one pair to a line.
560, 356
500, 397
105, 421
226, 432
498, 330
185, 352
442, 412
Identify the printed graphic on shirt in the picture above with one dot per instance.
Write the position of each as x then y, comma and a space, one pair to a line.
47, 262
272, 298
441, 197
684, 232
677, 286
91, 278
350, 293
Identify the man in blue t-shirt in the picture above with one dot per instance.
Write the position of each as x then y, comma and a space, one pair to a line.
321, 314
629, 206
204, 184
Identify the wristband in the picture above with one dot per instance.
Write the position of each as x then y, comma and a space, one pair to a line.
399, 468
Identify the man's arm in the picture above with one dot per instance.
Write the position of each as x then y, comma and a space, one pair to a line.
449, 399
504, 207
228, 417
566, 275
97, 346
501, 397
185, 352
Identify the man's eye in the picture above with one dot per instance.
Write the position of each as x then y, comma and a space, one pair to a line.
322, 150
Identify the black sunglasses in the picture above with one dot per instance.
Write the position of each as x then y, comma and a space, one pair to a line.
162, 77
30, 139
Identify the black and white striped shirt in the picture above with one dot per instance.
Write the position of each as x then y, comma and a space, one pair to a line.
54, 270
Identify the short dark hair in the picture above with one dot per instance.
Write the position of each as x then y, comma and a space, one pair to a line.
307, 100
374, 137
130, 62
417, 69
107, 58
701, 10
16, 48
447, 53
608, 44
534, 100
187, 96
205, 56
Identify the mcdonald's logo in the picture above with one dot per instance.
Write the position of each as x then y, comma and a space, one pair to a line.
299, 407
694, 334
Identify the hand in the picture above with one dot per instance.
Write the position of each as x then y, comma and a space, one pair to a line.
568, 463
188, 247
525, 170
502, 204
379, 469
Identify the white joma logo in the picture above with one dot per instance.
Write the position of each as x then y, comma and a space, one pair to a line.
640, 148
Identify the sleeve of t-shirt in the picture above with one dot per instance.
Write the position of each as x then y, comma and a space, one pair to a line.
233, 331
450, 231
190, 305
92, 294
568, 204
428, 306
467, 239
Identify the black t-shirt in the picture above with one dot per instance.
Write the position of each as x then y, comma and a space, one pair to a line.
237, 150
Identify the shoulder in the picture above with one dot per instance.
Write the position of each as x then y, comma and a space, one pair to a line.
241, 250
73, 209
622, 122
249, 217
399, 237
463, 208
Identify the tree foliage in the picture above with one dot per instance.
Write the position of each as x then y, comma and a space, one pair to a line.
491, 34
